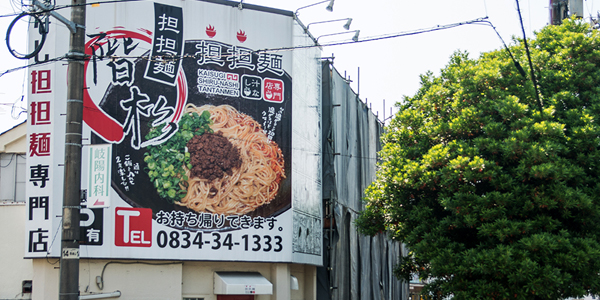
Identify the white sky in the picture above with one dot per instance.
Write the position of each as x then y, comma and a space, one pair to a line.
389, 69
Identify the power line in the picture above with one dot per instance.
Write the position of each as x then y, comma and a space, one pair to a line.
59, 7
10, 15
515, 62
95, 3
381, 37
533, 79
479, 21
32, 65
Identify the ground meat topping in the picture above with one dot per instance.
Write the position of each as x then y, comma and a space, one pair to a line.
212, 156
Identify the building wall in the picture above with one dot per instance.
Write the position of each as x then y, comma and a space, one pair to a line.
134, 279
356, 266
14, 140
14, 268
13, 144
169, 279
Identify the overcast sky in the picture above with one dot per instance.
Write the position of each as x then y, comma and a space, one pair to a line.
389, 68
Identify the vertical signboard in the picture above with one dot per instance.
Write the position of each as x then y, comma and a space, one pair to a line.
45, 153
99, 175
190, 129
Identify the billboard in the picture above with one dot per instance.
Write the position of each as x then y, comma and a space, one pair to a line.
188, 136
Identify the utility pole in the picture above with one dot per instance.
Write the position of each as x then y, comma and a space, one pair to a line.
69, 261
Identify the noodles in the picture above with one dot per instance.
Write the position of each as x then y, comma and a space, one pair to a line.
254, 184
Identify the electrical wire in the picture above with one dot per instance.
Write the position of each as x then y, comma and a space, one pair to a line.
295, 47
593, 22
17, 8
11, 159
42, 29
485, 6
24, 86
381, 37
11, 15
9, 162
100, 279
478, 21
52, 243
515, 62
33, 64
13, 110
533, 79
59, 7
529, 11
280, 49
16, 5
89, 266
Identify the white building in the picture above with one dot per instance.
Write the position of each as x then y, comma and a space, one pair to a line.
17, 273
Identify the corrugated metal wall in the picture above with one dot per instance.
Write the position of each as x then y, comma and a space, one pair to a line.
355, 266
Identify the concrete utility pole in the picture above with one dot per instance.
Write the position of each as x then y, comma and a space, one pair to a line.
69, 261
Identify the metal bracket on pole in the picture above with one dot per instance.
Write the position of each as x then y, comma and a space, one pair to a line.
71, 25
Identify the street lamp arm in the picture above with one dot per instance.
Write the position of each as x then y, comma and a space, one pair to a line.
346, 26
354, 38
329, 6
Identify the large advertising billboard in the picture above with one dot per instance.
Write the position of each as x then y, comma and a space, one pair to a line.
187, 136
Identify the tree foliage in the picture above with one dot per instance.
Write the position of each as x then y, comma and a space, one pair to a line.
494, 198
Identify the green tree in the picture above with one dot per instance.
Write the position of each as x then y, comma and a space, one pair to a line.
495, 198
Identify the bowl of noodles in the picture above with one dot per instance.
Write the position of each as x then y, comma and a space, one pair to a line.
220, 161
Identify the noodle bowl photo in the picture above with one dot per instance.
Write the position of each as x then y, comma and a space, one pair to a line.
225, 163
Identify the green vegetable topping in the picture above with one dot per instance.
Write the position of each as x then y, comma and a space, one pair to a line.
165, 162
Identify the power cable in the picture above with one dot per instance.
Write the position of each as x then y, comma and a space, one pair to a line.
52, 243
42, 30
337, 43
516, 63
100, 279
537, 96
478, 21
10, 15
59, 7
33, 64
16, 5
485, 6
381, 37
9, 162
54, 7
13, 110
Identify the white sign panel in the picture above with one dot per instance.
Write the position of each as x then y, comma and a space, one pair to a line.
99, 175
45, 154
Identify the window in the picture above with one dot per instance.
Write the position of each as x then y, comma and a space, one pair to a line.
26, 287
12, 177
